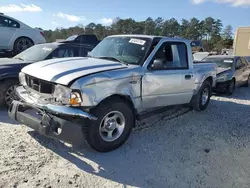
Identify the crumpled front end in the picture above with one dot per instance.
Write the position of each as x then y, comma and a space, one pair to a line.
56, 121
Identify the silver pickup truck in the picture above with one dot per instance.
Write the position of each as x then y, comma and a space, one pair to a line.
100, 96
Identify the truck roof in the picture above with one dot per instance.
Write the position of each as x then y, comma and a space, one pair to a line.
150, 37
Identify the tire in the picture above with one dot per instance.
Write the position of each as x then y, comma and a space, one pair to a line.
22, 44
99, 139
231, 88
7, 92
198, 102
247, 84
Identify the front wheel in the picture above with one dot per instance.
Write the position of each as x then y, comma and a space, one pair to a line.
231, 88
113, 126
7, 92
202, 98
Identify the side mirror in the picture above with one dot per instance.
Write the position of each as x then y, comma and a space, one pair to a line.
158, 64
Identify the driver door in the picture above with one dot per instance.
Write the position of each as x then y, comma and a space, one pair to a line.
174, 83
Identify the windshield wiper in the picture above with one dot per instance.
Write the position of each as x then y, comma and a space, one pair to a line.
112, 59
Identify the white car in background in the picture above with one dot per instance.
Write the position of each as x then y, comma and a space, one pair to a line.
16, 36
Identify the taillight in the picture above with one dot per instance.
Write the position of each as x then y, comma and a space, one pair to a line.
42, 34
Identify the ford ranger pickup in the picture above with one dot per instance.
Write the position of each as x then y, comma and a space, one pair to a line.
99, 97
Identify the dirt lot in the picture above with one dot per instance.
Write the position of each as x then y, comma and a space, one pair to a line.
207, 149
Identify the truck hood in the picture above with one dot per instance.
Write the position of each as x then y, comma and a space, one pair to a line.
65, 70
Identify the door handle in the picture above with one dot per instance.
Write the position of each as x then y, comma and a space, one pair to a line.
188, 76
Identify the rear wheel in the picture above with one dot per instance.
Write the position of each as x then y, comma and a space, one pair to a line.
7, 92
202, 98
22, 44
113, 126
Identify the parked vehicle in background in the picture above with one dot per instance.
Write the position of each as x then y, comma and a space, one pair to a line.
199, 56
197, 46
225, 51
84, 39
242, 41
10, 67
233, 71
16, 36
102, 95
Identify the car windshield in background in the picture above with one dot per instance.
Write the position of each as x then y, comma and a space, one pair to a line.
36, 53
71, 38
221, 62
129, 50
196, 43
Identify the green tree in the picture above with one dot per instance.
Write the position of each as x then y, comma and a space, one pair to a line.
159, 24
150, 26
208, 30
193, 30
171, 28
227, 36
183, 28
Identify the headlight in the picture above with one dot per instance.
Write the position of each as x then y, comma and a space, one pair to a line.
22, 79
222, 77
67, 96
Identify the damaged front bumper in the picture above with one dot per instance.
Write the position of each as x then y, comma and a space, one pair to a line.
58, 122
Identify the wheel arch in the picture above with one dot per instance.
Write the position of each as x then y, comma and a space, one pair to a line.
124, 98
209, 79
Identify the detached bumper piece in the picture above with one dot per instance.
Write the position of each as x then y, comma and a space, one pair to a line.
46, 123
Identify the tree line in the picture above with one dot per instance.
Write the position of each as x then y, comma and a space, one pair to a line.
209, 30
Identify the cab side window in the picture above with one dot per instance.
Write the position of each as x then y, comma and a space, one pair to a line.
173, 54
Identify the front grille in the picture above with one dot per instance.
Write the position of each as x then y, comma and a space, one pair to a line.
39, 85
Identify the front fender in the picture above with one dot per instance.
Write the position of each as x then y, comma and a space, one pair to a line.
8, 75
95, 93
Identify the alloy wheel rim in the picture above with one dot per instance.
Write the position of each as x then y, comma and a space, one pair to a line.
23, 45
10, 95
112, 126
204, 96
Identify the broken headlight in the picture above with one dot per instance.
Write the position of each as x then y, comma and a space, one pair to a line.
67, 96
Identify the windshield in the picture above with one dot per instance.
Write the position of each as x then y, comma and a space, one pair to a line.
130, 50
221, 62
36, 53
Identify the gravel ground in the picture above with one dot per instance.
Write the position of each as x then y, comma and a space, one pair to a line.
206, 149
